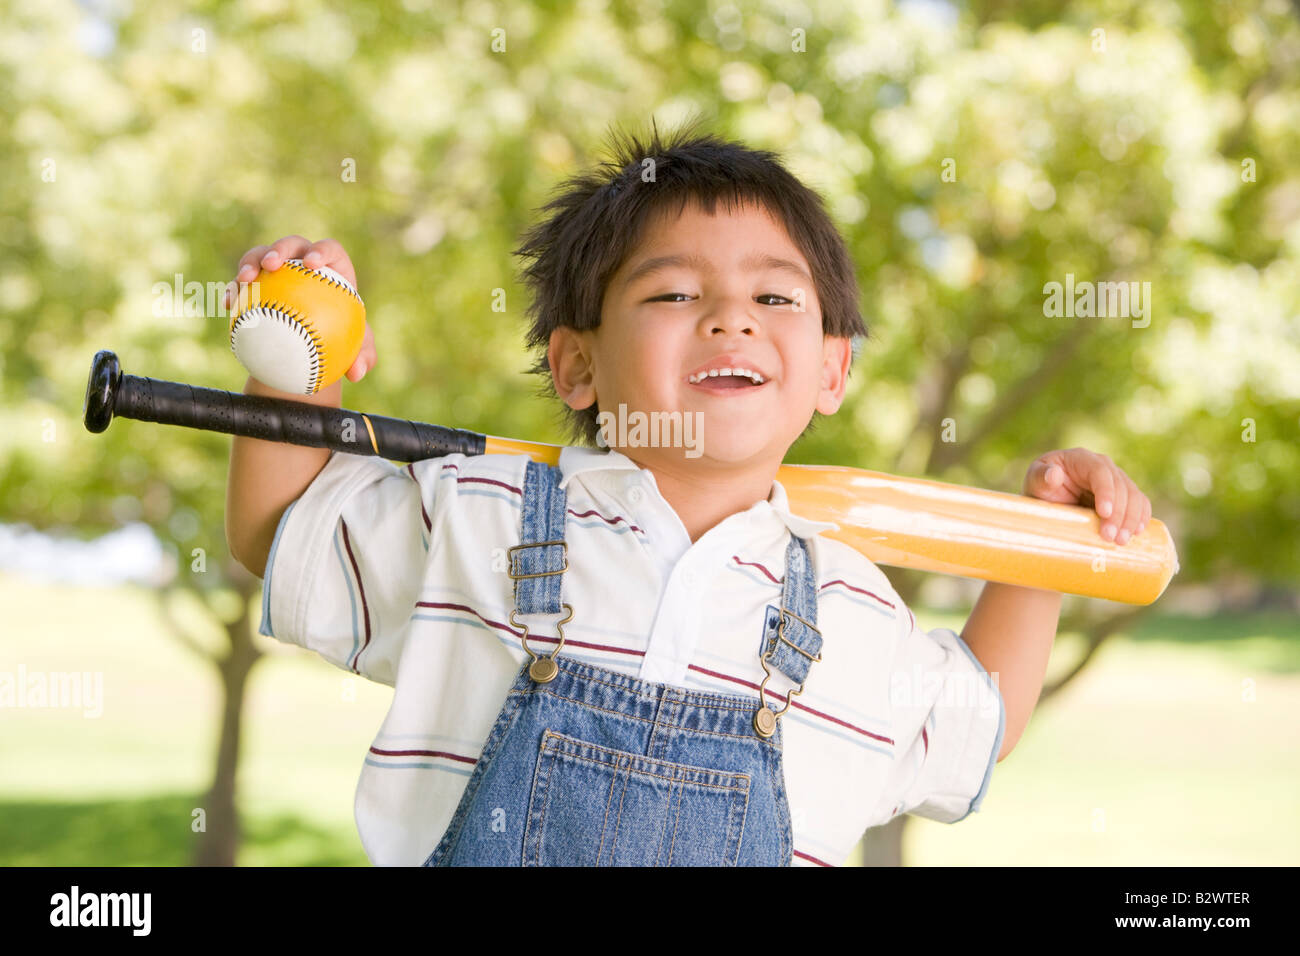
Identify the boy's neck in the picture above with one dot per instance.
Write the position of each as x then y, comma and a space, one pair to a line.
703, 498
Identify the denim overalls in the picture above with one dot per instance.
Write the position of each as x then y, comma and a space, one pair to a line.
586, 766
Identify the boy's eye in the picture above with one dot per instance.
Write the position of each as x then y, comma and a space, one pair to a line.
682, 295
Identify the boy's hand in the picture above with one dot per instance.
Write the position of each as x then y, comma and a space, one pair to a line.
325, 252
1082, 477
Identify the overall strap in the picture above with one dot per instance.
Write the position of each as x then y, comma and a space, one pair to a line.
791, 641
542, 551
792, 649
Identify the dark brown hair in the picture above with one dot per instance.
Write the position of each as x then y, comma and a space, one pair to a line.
597, 220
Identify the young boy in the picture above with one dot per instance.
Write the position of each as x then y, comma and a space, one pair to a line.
643, 656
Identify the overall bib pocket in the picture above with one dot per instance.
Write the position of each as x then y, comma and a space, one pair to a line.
593, 806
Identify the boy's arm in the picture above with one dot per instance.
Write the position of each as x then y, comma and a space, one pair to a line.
1011, 628
265, 478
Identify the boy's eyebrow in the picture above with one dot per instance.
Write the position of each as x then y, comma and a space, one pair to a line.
754, 262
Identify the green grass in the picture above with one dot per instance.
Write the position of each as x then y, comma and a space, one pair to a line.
1156, 735
1155, 755
120, 788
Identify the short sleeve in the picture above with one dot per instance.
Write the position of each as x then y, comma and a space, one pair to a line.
348, 561
949, 720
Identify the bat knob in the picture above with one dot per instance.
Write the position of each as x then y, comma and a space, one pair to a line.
101, 391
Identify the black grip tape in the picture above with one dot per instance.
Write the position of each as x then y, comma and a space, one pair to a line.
282, 420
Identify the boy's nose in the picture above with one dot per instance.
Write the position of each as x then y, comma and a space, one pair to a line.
731, 318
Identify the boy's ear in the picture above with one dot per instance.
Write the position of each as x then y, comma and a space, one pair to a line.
837, 357
569, 355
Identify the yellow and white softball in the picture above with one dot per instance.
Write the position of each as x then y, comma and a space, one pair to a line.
298, 329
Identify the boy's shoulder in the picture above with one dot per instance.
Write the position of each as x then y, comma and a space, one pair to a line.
459, 464
459, 480
843, 570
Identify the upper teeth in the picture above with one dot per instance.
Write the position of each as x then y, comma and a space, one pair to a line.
714, 373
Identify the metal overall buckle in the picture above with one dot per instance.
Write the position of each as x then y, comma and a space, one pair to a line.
542, 669
765, 719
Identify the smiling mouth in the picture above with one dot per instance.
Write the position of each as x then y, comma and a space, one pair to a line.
729, 383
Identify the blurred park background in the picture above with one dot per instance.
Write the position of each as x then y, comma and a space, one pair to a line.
970, 152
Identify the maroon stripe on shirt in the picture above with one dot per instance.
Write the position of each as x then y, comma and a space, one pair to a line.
490, 481
804, 707
615, 520
810, 858
773, 577
859, 590
925, 739
422, 753
365, 608
541, 638
428, 525
493, 481
546, 639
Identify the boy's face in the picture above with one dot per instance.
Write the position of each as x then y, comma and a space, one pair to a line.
729, 301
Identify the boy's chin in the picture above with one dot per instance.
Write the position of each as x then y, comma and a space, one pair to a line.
735, 448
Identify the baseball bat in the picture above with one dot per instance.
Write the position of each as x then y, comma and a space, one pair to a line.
896, 521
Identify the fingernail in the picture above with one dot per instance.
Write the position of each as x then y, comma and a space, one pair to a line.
1108, 531
247, 269
1103, 509
1123, 537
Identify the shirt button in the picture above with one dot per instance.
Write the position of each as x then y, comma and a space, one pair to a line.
635, 495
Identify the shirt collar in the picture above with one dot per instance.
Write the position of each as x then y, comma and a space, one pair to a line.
576, 460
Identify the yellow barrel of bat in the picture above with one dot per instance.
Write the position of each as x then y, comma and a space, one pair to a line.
971, 532
976, 533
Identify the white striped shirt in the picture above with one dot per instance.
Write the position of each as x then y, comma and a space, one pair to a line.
398, 573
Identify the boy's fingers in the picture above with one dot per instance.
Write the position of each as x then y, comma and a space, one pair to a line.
1118, 503
1047, 480
365, 359
329, 252
290, 247
1126, 523
250, 259
246, 271
326, 251
1102, 485
1132, 514
269, 258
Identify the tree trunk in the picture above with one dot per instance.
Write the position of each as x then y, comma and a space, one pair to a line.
219, 843
883, 845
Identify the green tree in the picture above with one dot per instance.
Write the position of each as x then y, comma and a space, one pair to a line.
970, 157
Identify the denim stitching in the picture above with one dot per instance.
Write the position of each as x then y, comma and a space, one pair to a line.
547, 760
740, 837
677, 814
742, 703
682, 727
618, 820
620, 756
604, 823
